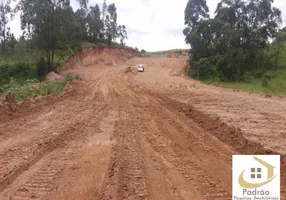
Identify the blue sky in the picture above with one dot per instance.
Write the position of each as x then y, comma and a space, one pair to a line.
152, 24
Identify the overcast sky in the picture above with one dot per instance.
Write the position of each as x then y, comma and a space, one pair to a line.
152, 24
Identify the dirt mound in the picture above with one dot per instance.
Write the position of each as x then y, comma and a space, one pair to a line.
9, 110
52, 76
97, 55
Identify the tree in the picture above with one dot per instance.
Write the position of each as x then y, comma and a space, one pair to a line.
81, 22
54, 28
95, 24
50, 24
103, 18
5, 11
83, 3
233, 41
195, 11
11, 40
67, 33
40, 19
278, 43
111, 23
122, 33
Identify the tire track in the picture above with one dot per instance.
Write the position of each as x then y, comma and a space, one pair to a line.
126, 173
42, 182
185, 163
24, 153
182, 158
167, 136
49, 164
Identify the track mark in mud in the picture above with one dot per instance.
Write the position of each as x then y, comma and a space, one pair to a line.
42, 150
172, 151
234, 138
51, 161
42, 181
91, 163
19, 154
164, 180
185, 163
230, 136
126, 173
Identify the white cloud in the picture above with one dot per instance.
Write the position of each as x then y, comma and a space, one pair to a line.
153, 24
158, 25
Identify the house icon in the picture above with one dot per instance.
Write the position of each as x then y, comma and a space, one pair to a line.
270, 175
270, 168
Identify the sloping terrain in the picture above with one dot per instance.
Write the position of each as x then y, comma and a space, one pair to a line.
120, 134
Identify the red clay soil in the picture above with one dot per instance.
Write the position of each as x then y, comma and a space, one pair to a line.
99, 56
119, 134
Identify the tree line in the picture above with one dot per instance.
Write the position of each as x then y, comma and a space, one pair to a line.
234, 42
54, 28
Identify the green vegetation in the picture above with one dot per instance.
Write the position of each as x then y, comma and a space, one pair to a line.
274, 86
22, 62
270, 82
103, 43
20, 71
233, 50
56, 30
33, 88
52, 31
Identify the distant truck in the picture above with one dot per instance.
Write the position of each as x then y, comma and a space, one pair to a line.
140, 68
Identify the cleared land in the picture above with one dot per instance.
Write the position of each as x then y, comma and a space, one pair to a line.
128, 135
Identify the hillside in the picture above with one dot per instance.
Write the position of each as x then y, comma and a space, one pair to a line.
272, 82
23, 61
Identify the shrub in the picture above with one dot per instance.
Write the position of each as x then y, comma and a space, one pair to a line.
230, 67
258, 74
4, 74
19, 71
202, 69
264, 83
32, 88
42, 68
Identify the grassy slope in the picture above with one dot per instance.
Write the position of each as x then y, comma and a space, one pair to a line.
23, 53
276, 85
21, 61
27, 57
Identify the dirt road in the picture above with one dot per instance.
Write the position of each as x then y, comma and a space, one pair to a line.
152, 135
